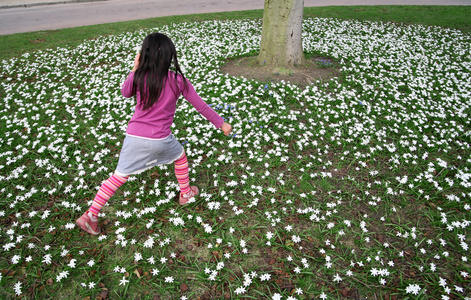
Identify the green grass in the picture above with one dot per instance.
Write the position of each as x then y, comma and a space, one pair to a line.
456, 17
314, 185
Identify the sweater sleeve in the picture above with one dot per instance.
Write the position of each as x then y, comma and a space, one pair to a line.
126, 88
202, 107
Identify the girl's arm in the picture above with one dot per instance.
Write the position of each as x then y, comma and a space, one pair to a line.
126, 89
203, 108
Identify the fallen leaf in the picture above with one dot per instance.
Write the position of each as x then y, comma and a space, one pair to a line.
104, 294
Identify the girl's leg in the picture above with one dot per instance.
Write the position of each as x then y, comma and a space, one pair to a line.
89, 220
106, 191
183, 176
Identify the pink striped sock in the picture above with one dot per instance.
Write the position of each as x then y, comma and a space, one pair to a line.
182, 174
106, 191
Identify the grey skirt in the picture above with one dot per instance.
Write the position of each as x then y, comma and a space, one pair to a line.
140, 154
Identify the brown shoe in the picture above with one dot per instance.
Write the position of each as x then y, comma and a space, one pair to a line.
184, 198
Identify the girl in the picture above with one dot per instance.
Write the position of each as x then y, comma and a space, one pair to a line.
149, 140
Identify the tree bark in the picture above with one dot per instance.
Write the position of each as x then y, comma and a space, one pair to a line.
281, 44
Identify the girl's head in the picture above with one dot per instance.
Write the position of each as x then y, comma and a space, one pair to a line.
157, 54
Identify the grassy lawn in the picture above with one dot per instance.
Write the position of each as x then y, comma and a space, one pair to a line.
456, 17
354, 187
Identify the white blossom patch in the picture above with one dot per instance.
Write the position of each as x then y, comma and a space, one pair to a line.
360, 180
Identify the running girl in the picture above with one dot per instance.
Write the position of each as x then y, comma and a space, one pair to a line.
149, 141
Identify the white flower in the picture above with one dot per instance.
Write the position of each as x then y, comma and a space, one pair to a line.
15, 259
413, 289
47, 259
62, 275
91, 263
72, 263
17, 288
240, 290
123, 281
277, 296
69, 226
64, 252
265, 277
220, 265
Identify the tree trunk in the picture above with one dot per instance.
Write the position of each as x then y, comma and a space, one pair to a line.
281, 43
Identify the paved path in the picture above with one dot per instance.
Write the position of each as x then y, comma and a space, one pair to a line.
18, 16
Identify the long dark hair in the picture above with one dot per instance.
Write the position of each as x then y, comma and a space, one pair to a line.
157, 54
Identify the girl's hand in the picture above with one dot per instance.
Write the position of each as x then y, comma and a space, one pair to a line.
136, 62
226, 128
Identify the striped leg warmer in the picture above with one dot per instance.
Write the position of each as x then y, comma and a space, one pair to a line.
106, 191
183, 176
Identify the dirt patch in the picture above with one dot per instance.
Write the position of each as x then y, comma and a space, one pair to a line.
37, 41
315, 69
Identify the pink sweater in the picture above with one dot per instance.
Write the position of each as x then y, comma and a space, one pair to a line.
155, 122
